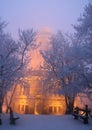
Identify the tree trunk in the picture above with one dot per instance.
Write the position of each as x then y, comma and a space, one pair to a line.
69, 104
1, 103
9, 104
0, 108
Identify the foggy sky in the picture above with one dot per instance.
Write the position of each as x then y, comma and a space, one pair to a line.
56, 14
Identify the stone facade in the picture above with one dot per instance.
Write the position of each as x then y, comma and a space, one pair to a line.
53, 104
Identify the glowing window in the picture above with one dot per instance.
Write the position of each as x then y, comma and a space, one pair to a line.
22, 108
59, 109
55, 109
50, 109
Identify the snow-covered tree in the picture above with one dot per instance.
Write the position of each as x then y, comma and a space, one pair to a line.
83, 36
70, 65
58, 66
65, 68
13, 58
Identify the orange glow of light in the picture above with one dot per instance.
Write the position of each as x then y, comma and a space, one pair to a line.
42, 41
56, 104
36, 99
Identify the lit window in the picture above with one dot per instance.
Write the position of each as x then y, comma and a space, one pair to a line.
50, 109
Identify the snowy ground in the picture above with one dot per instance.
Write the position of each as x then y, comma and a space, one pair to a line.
45, 122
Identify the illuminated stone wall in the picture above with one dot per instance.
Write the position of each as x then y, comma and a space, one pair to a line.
55, 104
51, 105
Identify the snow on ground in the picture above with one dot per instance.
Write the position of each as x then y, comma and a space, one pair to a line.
45, 122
